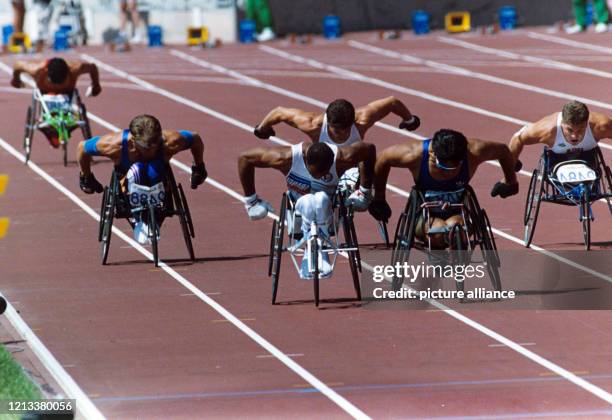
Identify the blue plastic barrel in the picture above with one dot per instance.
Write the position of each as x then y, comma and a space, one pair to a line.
156, 36
7, 31
331, 27
589, 13
60, 41
246, 31
420, 22
507, 18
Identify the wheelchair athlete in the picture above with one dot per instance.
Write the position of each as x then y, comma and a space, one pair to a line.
141, 155
56, 79
567, 134
441, 167
312, 172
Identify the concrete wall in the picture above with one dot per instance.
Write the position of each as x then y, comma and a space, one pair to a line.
306, 16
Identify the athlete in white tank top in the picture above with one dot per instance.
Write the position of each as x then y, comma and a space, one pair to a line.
563, 146
324, 137
299, 179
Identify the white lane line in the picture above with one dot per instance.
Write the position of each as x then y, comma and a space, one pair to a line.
503, 345
481, 76
529, 58
387, 85
457, 70
287, 361
83, 404
268, 356
569, 42
278, 140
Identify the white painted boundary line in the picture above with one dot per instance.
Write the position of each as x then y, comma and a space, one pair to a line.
84, 406
569, 42
529, 58
188, 102
387, 85
273, 350
287, 361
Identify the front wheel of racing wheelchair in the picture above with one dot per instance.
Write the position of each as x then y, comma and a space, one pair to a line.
476, 229
343, 219
116, 204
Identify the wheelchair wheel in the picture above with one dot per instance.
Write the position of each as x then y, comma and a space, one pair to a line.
65, 152
153, 233
107, 216
348, 227
489, 252
85, 128
459, 251
102, 213
184, 217
276, 247
404, 235
532, 205
314, 258
585, 218
29, 133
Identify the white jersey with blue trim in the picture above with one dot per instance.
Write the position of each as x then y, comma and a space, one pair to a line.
324, 137
299, 179
563, 146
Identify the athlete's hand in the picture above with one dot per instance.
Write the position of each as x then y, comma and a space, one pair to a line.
94, 90
518, 165
89, 184
264, 133
504, 190
380, 210
17, 83
198, 175
412, 124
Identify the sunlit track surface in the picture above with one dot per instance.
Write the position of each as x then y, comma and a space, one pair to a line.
141, 345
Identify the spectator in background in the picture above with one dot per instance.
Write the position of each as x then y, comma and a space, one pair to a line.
580, 13
259, 11
43, 10
129, 9
18, 15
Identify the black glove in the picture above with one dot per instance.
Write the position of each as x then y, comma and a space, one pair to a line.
518, 165
504, 190
412, 124
380, 210
264, 133
89, 184
198, 175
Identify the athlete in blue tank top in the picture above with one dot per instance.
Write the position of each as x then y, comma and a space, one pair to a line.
144, 150
441, 168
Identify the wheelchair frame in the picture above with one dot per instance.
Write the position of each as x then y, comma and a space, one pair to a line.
550, 190
38, 113
175, 203
298, 247
476, 227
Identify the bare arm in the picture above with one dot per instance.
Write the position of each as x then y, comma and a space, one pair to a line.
539, 132
261, 157
602, 129
375, 111
404, 155
92, 70
108, 146
176, 143
489, 150
349, 157
302, 120
24, 67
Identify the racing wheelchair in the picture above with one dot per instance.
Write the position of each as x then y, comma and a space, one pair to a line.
572, 182
59, 113
298, 246
144, 204
474, 234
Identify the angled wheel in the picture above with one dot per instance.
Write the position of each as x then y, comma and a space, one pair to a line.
107, 217
585, 216
186, 210
532, 205
102, 213
348, 227
314, 258
65, 152
404, 235
276, 247
85, 128
153, 234
489, 251
459, 252
29, 133
184, 218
